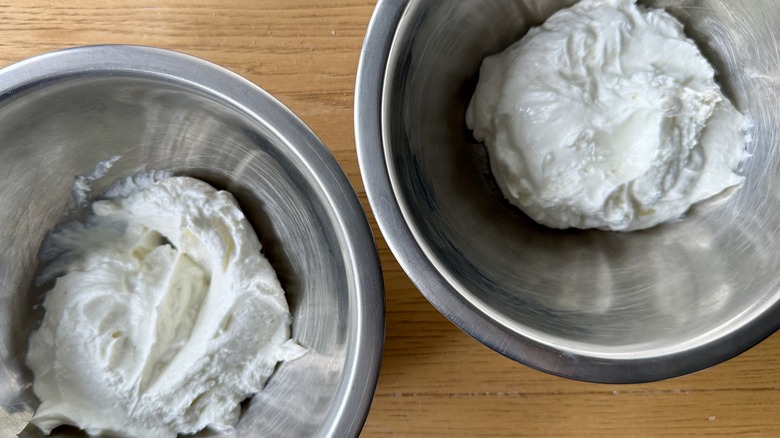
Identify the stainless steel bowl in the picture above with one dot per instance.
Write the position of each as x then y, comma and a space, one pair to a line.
590, 305
63, 112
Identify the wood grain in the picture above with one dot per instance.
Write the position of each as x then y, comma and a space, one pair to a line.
435, 380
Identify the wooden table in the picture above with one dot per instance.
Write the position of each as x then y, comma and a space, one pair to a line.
435, 380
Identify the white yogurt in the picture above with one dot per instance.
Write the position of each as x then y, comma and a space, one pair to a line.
166, 316
608, 117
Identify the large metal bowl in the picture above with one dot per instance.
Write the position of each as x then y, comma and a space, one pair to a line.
591, 305
63, 112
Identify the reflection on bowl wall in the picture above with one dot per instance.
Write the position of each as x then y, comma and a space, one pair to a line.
591, 305
63, 113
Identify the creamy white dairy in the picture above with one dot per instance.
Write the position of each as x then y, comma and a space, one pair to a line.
606, 116
166, 316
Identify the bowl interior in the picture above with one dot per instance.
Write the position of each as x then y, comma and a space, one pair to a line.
54, 130
601, 294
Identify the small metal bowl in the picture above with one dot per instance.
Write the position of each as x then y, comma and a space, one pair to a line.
64, 112
589, 305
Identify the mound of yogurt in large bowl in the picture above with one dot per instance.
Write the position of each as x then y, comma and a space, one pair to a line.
586, 304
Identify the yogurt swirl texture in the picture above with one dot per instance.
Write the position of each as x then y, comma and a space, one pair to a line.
608, 117
165, 317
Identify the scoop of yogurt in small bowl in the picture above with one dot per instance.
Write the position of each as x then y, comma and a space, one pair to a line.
214, 266
511, 243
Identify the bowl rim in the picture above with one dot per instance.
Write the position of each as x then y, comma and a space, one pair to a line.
366, 319
376, 56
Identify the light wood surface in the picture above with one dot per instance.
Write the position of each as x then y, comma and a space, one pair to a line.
435, 380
